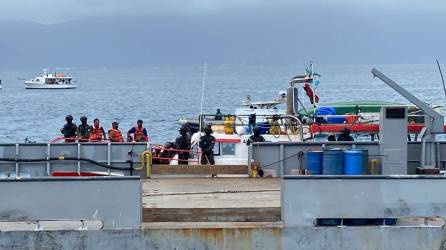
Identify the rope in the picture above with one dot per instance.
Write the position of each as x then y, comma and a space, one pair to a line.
288, 157
62, 158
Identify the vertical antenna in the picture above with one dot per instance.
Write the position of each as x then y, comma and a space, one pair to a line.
202, 97
313, 85
441, 74
202, 89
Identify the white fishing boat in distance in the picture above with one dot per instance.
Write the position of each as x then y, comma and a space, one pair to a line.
51, 81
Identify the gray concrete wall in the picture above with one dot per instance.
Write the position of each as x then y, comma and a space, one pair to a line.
192, 238
305, 198
115, 154
114, 200
365, 238
232, 238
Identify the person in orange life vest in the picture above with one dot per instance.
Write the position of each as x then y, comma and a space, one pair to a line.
97, 132
114, 135
139, 133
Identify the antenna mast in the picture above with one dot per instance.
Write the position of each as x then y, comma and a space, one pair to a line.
202, 97
441, 74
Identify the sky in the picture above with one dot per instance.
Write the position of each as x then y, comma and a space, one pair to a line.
106, 33
53, 11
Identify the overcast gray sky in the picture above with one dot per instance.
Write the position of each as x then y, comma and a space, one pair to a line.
106, 33
53, 11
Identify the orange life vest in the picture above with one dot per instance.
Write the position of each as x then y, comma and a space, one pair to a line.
96, 134
139, 134
116, 137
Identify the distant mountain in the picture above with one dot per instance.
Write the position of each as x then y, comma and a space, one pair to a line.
256, 36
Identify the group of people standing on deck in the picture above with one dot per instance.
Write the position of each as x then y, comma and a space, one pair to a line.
96, 133
206, 144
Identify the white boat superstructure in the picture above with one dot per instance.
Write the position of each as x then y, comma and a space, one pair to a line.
51, 81
233, 131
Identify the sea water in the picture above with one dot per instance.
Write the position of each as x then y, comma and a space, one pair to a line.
161, 95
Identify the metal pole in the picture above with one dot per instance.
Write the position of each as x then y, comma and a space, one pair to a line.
202, 98
312, 84
442, 79
48, 163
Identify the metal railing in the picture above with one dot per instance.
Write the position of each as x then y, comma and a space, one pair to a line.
38, 159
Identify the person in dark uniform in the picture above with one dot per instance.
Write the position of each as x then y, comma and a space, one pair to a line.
206, 144
83, 130
256, 137
331, 138
252, 122
218, 116
345, 136
182, 142
69, 129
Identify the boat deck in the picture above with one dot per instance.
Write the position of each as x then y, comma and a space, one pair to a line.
211, 200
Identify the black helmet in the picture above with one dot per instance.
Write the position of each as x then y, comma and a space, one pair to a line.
83, 118
69, 118
208, 129
183, 129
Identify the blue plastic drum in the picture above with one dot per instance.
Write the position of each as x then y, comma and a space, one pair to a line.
366, 159
333, 162
314, 162
353, 162
264, 127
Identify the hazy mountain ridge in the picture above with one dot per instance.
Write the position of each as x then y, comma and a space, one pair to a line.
255, 36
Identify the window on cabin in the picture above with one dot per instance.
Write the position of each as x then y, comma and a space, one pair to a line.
216, 148
228, 148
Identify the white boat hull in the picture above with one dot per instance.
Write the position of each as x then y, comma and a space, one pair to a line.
31, 85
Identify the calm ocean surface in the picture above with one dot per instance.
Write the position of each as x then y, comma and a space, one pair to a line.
160, 96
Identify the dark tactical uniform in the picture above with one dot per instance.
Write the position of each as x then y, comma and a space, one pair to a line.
218, 116
83, 131
255, 138
206, 144
345, 136
69, 131
182, 142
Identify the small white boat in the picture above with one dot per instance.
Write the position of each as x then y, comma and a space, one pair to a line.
51, 81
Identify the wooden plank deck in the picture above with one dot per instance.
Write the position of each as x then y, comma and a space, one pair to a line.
211, 199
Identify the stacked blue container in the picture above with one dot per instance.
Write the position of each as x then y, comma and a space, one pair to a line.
353, 162
333, 162
314, 162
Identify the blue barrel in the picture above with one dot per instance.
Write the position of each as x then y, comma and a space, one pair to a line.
366, 159
263, 127
314, 162
353, 162
333, 162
